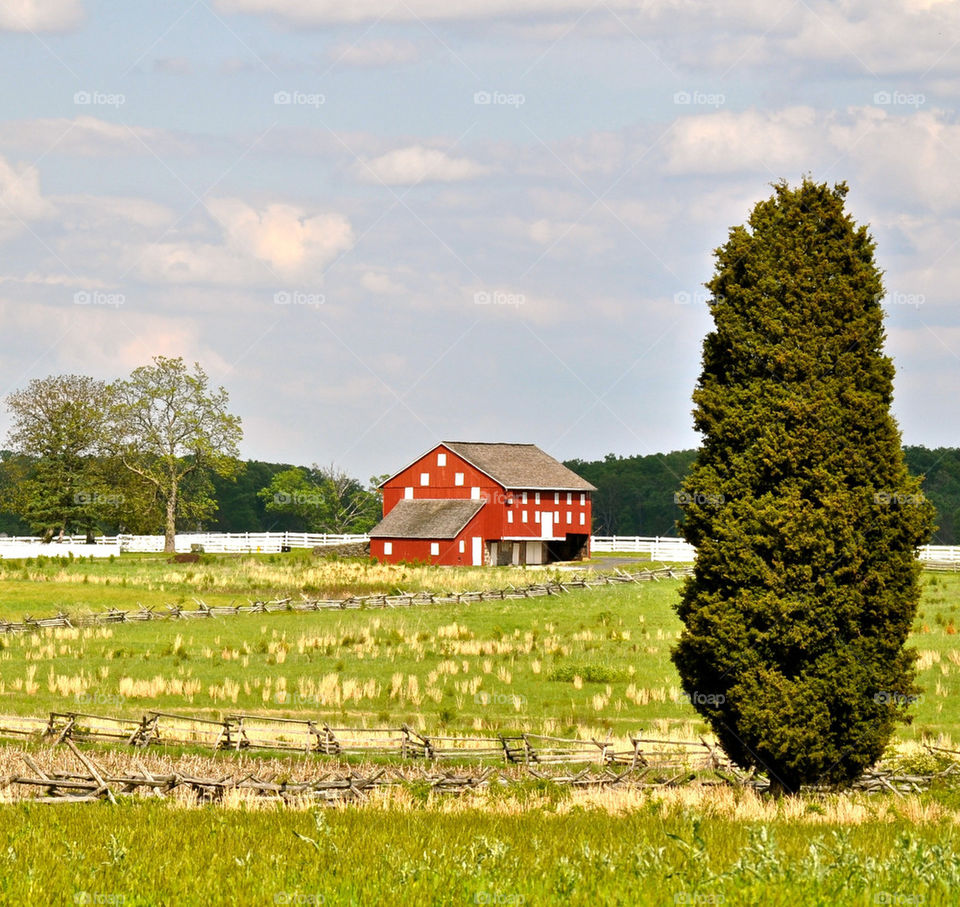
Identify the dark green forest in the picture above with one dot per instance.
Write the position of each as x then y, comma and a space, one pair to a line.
635, 495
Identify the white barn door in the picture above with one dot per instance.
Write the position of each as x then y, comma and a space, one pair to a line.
477, 551
546, 526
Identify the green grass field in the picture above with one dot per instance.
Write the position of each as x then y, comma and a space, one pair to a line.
587, 662
148, 853
590, 661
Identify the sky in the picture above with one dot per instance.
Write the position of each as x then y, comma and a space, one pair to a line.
380, 225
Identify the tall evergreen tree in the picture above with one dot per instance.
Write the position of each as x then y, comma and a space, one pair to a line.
804, 515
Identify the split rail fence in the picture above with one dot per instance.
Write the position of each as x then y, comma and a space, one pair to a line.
30, 624
303, 735
661, 764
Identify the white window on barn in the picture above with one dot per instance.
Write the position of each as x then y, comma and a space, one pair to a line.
583, 499
569, 517
441, 459
388, 547
536, 517
569, 498
556, 497
463, 546
458, 478
536, 498
434, 548
523, 498
408, 493
475, 493
509, 516
556, 517
523, 516
424, 478
583, 519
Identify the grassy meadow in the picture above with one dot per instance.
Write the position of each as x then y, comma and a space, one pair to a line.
590, 662
652, 851
46, 585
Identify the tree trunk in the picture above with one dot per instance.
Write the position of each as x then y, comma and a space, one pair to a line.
169, 541
780, 787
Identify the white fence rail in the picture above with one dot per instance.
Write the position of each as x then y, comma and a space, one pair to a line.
213, 542
667, 548
660, 548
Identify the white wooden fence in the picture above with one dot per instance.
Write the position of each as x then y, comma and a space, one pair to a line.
214, 542
660, 548
667, 548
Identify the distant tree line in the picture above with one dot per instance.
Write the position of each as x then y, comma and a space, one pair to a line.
639, 495
155, 452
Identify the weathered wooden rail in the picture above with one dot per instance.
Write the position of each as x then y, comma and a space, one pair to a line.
662, 761
89, 782
401, 600
400, 743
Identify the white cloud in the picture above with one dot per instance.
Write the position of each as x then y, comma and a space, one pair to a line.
40, 15
782, 141
277, 242
374, 53
106, 213
380, 283
88, 136
20, 199
320, 12
417, 164
283, 236
76, 281
584, 237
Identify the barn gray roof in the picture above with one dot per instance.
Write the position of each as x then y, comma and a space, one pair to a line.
519, 466
426, 519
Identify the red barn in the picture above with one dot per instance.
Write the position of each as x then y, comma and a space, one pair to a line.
478, 503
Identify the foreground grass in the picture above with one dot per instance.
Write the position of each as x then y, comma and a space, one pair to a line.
449, 854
